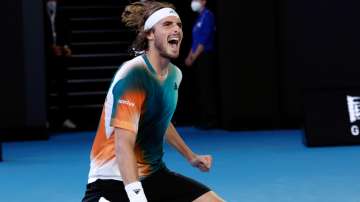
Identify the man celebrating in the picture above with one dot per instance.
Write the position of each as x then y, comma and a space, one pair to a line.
126, 157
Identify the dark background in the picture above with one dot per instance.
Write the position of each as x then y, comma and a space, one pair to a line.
271, 54
22, 77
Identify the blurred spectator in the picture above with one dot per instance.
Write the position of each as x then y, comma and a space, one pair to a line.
201, 56
57, 51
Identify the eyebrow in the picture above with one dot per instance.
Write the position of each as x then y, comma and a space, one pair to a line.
172, 22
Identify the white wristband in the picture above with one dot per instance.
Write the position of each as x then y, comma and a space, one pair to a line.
135, 192
102, 199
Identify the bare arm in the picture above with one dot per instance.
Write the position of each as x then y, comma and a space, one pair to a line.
174, 139
203, 162
198, 51
192, 56
125, 156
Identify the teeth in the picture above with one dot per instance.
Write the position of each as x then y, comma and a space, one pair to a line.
174, 38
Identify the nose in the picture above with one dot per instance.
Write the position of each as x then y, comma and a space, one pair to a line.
177, 29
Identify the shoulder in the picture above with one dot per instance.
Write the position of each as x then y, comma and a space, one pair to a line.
208, 13
177, 71
129, 76
130, 67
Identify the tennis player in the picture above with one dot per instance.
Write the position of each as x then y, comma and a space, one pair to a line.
126, 157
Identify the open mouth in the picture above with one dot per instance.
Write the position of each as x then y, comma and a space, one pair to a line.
174, 40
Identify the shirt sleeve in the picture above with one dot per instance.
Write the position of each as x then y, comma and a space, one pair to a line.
129, 98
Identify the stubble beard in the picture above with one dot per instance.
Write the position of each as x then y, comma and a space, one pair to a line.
161, 47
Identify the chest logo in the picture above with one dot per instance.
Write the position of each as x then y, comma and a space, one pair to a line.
176, 86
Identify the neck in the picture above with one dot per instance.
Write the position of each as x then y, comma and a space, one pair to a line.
159, 63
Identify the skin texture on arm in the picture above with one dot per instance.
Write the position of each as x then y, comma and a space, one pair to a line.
198, 51
202, 162
125, 155
192, 56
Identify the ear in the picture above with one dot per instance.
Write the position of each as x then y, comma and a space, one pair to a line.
150, 35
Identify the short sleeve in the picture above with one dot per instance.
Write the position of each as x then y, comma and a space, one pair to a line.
129, 97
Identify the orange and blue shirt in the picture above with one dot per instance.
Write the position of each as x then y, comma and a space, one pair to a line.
140, 102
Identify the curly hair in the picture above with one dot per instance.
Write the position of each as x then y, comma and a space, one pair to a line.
134, 17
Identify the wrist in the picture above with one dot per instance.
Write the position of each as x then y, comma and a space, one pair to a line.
135, 192
191, 157
193, 58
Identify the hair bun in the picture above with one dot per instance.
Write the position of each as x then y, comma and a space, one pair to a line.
133, 15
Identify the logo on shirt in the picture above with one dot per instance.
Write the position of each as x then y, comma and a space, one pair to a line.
176, 86
137, 191
354, 113
127, 102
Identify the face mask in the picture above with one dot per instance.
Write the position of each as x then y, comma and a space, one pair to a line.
51, 6
195, 6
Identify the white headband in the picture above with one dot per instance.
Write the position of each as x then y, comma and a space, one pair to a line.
159, 15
